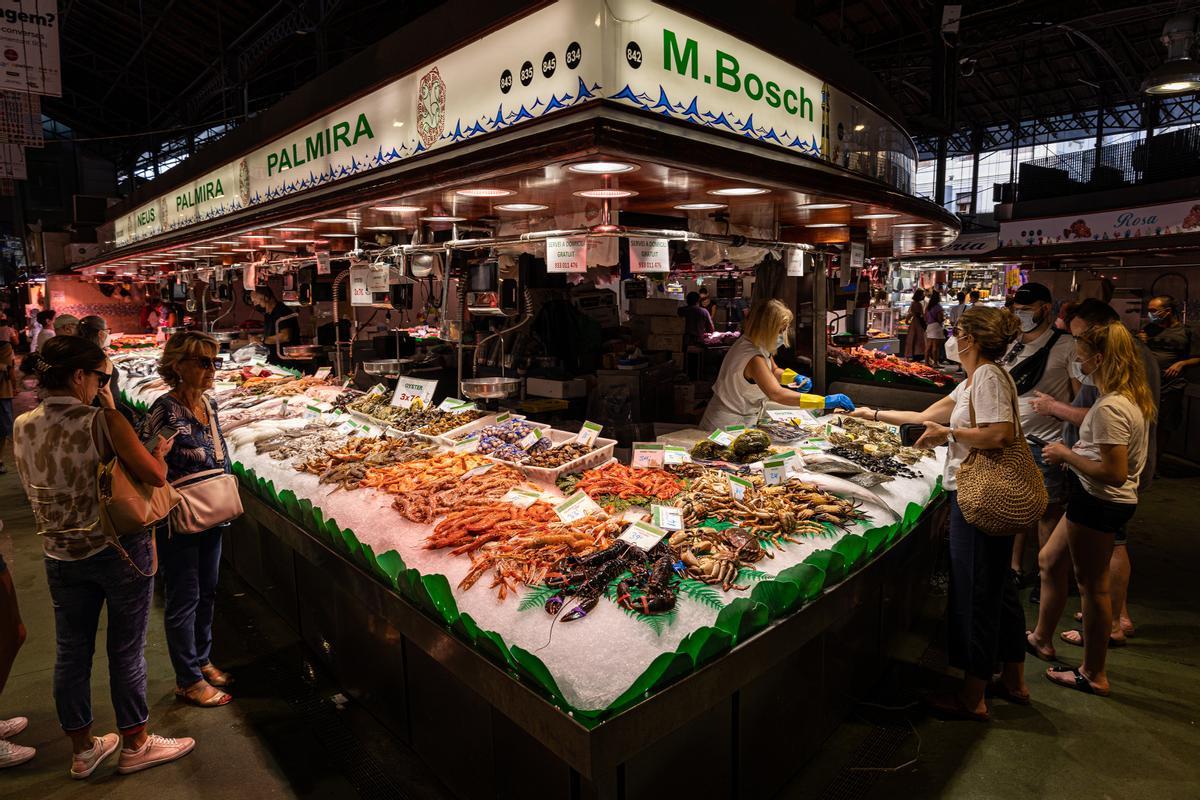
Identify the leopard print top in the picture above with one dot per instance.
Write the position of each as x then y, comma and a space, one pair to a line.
57, 460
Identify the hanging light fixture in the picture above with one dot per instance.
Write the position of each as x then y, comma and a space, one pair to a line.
1180, 72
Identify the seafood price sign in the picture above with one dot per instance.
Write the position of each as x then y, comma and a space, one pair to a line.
577, 506
647, 455
643, 535
410, 391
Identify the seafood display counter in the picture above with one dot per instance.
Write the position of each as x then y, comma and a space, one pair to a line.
489, 586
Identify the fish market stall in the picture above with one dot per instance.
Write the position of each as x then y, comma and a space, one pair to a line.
589, 585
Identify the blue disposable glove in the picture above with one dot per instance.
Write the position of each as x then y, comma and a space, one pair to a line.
803, 383
838, 402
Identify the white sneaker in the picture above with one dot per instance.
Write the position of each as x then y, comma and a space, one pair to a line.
13, 754
157, 750
11, 727
85, 763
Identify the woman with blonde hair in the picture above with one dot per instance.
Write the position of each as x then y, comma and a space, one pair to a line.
1106, 463
984, 616
749, 377
190, 563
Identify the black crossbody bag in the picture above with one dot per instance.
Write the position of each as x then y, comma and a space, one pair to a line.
1029, 372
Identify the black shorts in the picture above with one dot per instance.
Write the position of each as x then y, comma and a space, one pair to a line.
1095, 512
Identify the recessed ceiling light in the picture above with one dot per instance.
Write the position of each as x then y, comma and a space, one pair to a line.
293, 230
336, 220
275, 247
256, 236
605, 193
521, 207
340, 235
876, 216
383, 228
738, 191
700, 206
443, 218
825, 225
822, 206
401, 209
860, 127
226, 242
602, 167
911, 225
486, 192
300, 241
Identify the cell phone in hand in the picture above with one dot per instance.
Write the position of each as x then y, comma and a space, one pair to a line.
1029, 437
152, 445
910, 432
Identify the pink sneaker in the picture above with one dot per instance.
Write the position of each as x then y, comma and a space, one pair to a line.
11, 727
157, 750
85, 763
12, 754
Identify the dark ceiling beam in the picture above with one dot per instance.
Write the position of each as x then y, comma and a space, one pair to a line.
162, 17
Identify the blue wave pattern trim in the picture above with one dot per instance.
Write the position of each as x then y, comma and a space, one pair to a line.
725, 120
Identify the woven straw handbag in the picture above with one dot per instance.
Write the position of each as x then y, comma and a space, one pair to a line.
1001, 491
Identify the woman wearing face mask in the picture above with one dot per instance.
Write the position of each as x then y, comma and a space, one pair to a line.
84, 572
914, 342
749, 377
985, 619
95, 330
1106, 463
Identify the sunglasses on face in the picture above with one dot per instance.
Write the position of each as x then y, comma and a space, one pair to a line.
204, 363
104, 377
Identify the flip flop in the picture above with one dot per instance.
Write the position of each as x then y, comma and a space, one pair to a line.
1075, 637
998, 689
217, 700
1033, 650
951, 707
1080, 683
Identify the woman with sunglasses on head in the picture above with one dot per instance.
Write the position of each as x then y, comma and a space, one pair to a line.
190, 562
984, 615
1106, 462
59, 447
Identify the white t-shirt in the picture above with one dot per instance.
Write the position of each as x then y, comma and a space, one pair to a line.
1114, 419
735, 400
992, 392
43, 336
1056, 382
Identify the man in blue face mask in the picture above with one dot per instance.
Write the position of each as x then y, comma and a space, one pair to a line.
1087, 315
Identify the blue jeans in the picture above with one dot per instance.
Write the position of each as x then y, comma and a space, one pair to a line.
79, 589
985, 621
189, 565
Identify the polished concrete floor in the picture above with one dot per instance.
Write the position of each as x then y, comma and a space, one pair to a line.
290, 734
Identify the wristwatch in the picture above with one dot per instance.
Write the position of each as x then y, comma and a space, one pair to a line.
950, 438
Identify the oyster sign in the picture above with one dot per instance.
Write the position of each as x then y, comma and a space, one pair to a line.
431, 107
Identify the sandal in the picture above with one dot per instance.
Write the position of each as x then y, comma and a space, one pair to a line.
951, 706
1074, 679
998, 689
1037, 652
216, 677
1076, 638
191, 697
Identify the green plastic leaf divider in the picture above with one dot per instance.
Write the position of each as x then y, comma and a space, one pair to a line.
390, 565
780, 597
534, 671
442, 598
704, 644
489, 643
876, 539
832, 563
743, 618
664, 670
809, 577
854, 549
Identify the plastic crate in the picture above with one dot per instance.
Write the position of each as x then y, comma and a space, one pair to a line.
479, 424
601, 453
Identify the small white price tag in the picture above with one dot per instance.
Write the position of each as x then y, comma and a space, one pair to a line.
323, 373
530, 439
738, 486
782, 414
468, 445
588, 433
369, 430
647, 455
521, 498
455, 406
377, 389
722, 438
643, 535
502, 418
410, 391
577, 506
774, 472
220, 386
322, 263
311, 412
347, 428
674, 454
474, 473
791, 460
669, 518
